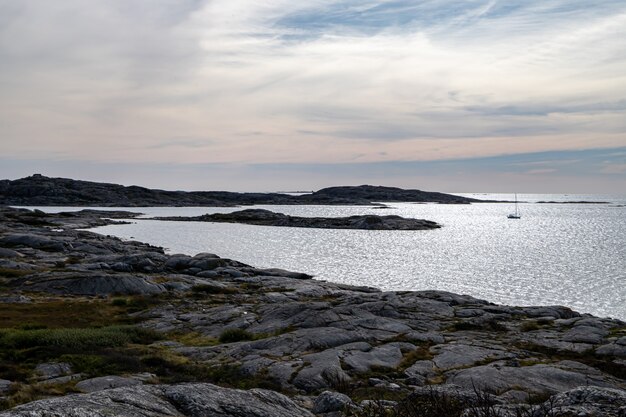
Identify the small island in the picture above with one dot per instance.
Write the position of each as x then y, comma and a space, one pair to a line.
261, 217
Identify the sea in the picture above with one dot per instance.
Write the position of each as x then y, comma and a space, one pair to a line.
561, 252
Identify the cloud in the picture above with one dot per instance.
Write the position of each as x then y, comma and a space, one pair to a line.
541, 171
309, 82
491, 174
614, 169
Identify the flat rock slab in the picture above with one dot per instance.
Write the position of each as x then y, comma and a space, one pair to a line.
106, 382
53, 369
5, 385
461, 355
385, 356
90, 284
538, 379
33, 241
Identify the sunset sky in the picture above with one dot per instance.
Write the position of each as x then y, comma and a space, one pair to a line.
457, 96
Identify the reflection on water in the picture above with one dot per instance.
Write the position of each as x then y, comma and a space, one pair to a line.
567, 254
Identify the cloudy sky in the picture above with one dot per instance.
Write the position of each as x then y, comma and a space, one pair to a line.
458, 96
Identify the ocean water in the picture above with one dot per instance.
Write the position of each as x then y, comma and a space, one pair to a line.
556, 254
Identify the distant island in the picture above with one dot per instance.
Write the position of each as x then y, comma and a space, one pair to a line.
262, 217
39, 190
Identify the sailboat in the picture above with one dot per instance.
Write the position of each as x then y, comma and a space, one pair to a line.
515, 215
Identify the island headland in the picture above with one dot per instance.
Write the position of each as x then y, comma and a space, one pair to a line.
129, 330
39, 190
261, 217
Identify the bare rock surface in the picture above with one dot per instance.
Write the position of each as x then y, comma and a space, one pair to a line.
186, 400
329, 401
52, 370
106, 382
233, 323
5, 386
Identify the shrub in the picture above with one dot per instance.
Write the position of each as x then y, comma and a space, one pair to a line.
119, 302
235, 335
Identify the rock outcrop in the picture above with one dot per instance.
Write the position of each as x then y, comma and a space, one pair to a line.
230, 323
185, 400
262, 217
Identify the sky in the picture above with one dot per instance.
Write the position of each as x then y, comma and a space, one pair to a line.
278, 95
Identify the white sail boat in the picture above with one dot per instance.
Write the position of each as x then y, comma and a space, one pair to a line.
515, 215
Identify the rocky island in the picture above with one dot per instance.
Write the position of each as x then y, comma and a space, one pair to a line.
262, 217
39, 190
93, 325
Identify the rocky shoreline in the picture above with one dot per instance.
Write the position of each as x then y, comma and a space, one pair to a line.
93, 325
261, 217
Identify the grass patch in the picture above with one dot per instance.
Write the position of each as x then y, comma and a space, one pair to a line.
94, 351
13, 273
138, 303
119, 302
529, 325
22, 393
419, 354
603, 363
56, 314
617, 331
75, 339
193, 339
235, 335
231, 376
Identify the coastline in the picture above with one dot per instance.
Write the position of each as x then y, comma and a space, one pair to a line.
299, 336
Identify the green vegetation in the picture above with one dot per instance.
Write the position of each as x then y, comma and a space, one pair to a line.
192, 339
235, 335
74, 313
529, 325
419, 354
605, 363
23, 393
74, 339
119, 302
13, 273
433, 403
95, 336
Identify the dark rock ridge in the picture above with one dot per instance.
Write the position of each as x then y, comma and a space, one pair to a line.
262, 217
235, 324
382, 194
38, 190
573, 202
